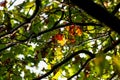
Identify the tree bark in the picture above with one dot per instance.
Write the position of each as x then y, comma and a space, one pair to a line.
99, 13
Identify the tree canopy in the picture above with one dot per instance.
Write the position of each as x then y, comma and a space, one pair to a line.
60, 40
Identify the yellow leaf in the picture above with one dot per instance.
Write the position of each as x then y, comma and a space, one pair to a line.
49, 66
29, 4
57, 75
90, 29
53, 61
58, 53
116, 60
62, 42
116, 63
71, 71
48, 8
105, 76
46, 60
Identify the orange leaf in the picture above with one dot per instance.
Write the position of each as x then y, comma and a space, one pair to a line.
72, 32
67, 28
87, 74
79, 31
59, 36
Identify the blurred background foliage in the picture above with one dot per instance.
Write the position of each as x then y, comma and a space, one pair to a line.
29, 48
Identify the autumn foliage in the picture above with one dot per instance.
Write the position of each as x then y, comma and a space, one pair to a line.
59, 40
74, 30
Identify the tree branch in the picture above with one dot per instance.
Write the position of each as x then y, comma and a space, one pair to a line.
10, 45
99, 13
57, 22
61, 26
116, 9
81, 68
112, 76
64, 61
13, 44
37, 2
105, 51
53, 28
114, 44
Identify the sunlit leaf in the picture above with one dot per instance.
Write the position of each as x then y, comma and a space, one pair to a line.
49, 66
62, 42
57, 74
90, 29
116, 62
78, 31
48, 8
29, 4
58, 53
105, 76
35, 38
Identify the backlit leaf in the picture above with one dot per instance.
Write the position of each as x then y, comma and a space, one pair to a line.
55, 77
116, 62
90, 29
62, 42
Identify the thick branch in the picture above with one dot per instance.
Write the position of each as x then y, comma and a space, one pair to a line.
116, 9
99, 13
64, 61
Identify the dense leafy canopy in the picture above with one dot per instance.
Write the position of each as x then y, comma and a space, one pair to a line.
59, 40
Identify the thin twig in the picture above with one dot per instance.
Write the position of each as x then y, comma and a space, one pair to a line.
53, 28
37, 2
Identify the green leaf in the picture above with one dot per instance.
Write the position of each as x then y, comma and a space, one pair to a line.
29, 4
